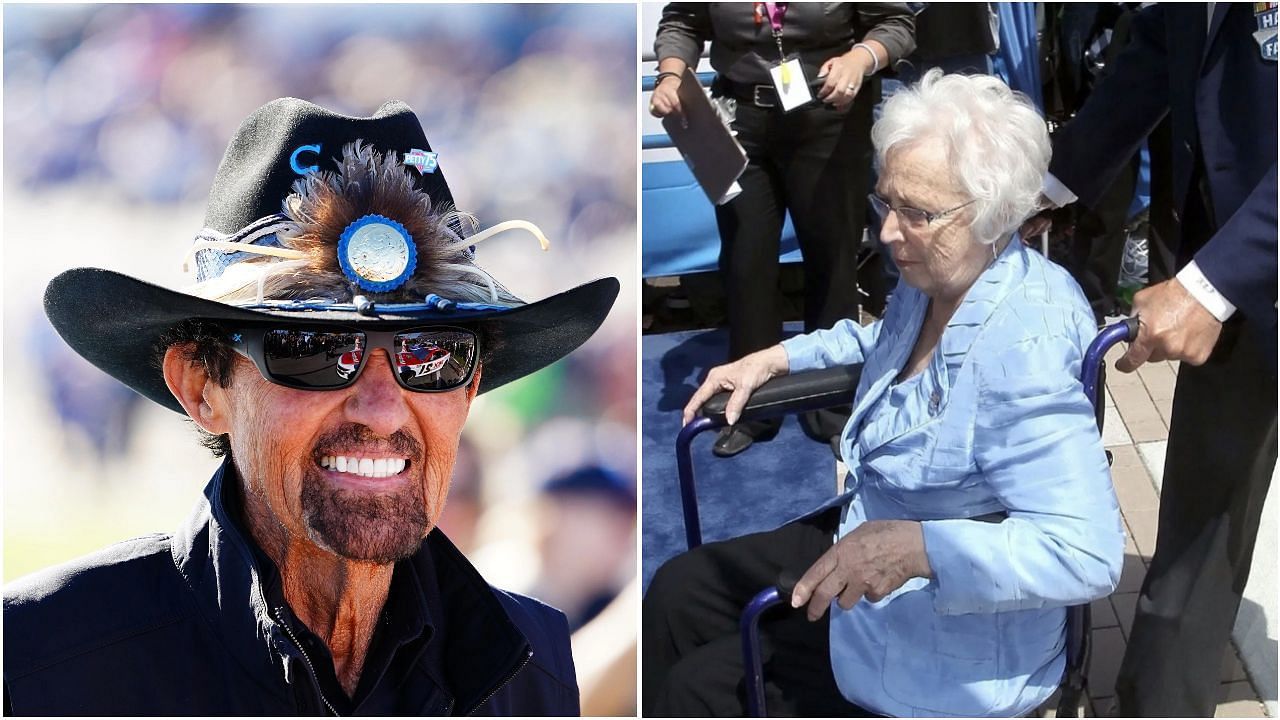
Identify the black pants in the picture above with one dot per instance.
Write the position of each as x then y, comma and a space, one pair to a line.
814, 163
1222, 448
692, 664
1097, 249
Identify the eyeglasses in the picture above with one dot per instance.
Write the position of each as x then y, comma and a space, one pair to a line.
912, 217
436, 359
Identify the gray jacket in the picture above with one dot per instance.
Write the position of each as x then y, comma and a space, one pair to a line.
743, 51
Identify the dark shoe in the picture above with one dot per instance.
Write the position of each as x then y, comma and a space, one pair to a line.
836, 442
731, 441
823, 425
736, 438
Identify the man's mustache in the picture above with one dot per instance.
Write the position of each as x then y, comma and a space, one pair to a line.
352, 435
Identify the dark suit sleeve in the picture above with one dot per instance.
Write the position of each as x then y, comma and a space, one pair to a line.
682, 32
1240, 259
1125, 107
892, 25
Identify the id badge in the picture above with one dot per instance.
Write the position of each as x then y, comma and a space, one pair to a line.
791, 84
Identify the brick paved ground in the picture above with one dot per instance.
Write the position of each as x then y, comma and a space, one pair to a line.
1136, 432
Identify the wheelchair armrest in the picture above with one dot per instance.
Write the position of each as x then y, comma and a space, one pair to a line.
788, 394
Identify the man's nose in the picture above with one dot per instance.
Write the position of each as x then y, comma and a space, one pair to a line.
376, 400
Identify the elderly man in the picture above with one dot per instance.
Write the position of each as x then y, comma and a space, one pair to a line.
330, 350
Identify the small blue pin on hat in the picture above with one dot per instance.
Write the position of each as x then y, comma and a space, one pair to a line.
377, 253
426, 162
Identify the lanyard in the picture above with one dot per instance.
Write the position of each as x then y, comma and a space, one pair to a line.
776, 11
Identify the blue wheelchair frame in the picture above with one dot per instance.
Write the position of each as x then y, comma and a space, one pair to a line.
834, 386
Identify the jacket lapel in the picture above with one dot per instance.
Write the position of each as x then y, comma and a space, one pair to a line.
934, 389
887, 358
1215, 24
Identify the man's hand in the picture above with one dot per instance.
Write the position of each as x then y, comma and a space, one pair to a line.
666, 99
742, 377
1173, 326
872, 561
1039, 223
1035, 226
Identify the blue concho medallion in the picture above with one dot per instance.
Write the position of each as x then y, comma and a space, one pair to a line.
377, 253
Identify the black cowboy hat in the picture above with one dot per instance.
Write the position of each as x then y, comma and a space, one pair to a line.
116, 321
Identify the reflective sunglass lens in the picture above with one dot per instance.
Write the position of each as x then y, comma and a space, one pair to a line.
435, 359
308, 359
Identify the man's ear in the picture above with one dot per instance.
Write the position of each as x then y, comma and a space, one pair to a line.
474, 388
199, 395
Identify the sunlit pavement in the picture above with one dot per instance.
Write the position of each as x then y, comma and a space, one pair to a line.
1136, 431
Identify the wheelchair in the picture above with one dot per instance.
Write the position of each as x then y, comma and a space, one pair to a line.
834, 386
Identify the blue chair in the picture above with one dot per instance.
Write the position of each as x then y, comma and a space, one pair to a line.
835, 386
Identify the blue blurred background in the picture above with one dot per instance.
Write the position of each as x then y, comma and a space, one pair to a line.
115, 118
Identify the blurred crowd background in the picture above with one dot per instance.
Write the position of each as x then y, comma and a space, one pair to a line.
115, 118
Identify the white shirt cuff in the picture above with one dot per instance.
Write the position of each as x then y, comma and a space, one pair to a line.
1204, 292
1056, 192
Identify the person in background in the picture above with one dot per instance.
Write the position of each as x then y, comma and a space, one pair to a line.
1211, 68
588, 521
955, 38
810, 161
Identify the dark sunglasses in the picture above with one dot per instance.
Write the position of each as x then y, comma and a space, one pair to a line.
434, 359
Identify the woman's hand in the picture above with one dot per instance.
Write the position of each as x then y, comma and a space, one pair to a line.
844, 75
872, 561
666, 99
742, 377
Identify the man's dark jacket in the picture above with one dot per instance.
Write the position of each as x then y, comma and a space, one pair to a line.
1210, 77
181, 625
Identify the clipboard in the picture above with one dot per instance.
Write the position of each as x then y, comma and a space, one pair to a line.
713, 155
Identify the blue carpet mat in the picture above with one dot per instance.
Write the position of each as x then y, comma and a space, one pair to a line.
765, 486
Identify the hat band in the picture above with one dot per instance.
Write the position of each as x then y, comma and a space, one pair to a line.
433, 302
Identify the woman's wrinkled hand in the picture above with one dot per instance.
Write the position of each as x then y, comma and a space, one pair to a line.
872, 561
666, 99
742, 378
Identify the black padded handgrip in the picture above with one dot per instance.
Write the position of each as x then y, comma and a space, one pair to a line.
786, 584
793, 393
1131, 324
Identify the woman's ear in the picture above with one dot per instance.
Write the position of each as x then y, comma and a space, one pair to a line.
199, 395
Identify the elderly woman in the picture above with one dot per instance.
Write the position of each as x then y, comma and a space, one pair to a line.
979, 506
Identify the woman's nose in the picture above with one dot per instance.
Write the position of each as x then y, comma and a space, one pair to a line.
890, 228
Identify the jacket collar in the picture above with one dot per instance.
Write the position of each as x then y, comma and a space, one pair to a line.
480, 645
899, 337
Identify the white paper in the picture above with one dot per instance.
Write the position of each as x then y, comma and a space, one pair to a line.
734, 191
793, 94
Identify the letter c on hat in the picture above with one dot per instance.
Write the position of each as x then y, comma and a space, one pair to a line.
293, 159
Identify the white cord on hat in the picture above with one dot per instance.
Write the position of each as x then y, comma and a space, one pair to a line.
245, 245
499, 228
199, 245
210, 238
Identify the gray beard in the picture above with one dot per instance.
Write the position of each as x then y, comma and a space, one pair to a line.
369, 527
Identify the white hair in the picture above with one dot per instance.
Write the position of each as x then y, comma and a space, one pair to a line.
995, 140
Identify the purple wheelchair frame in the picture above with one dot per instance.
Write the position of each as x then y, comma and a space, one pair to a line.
1078, 616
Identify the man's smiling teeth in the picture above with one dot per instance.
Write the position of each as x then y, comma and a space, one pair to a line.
365, 467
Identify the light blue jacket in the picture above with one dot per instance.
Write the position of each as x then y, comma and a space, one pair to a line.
998, 421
